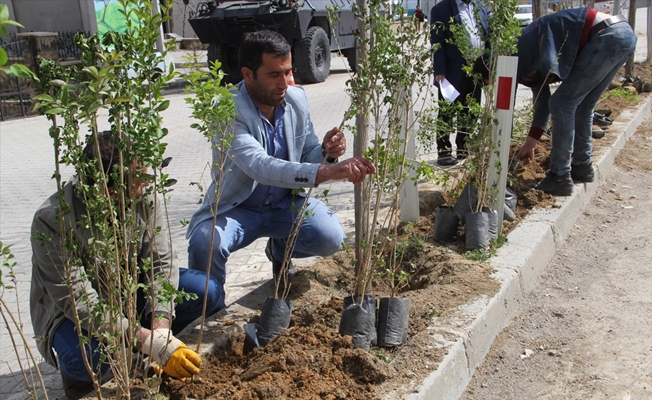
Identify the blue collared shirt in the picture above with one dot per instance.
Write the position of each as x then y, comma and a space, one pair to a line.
277, 147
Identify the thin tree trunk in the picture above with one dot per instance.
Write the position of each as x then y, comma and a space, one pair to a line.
537, 9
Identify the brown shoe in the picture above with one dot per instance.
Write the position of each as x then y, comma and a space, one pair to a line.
75, 390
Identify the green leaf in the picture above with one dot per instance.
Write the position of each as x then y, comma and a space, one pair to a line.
58, 82
122, 99
4, 13
3, 30
54, 111
43, 97
14, 23
163, 106
20, 71
3, 57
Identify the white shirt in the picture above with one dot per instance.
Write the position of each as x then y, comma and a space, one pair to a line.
468, 19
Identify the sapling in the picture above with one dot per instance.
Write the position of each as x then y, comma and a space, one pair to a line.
119, 76
213, 107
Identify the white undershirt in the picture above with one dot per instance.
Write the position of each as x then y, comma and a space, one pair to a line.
468, 19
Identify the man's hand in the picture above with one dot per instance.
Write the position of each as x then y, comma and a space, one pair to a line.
174, 357
526, 154
354, 169
334, 143
439, 78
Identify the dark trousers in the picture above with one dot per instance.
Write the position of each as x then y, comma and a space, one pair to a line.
451, 119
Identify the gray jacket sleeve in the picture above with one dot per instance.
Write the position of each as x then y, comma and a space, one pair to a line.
60, 275
156, 245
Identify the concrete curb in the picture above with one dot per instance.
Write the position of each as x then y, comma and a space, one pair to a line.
518, 265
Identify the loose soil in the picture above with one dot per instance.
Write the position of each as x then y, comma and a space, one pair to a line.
312, 361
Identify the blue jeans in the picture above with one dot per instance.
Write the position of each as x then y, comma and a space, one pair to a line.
572, 104
66, 341
321, 233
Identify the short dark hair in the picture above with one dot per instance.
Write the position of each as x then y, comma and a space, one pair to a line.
255, 44
110, 148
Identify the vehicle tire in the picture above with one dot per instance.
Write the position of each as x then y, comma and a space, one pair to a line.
351, 58
228, 57
312, 56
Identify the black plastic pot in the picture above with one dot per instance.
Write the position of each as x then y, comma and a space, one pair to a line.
446, 223
492, 220
466, 203
477, 230
393, 317
274, 319
359, 321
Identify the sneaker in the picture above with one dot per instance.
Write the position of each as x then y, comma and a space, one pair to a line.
446, 161
75, 390
556, 185
276, 268
582, 173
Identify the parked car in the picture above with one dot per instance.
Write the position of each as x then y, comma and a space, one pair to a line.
524, 14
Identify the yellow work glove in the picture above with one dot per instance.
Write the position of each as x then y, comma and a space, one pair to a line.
174, 357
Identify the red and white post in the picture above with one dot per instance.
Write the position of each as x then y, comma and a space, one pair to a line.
501, 133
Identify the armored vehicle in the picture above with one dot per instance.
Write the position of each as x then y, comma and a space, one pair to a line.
304, 23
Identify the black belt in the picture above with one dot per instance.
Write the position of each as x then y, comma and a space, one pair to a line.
605, 23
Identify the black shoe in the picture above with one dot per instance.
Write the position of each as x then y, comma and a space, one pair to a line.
582, 173
446, 161
601, 120
276, 269
597, 133
556, 185
75, 390
606, 112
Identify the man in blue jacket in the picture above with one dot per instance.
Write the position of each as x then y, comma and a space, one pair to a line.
584, 49
273, 151
447, 64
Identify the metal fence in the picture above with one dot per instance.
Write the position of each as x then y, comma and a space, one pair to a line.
16, 93
66, 45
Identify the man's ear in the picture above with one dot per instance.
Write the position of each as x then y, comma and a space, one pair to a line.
247, 74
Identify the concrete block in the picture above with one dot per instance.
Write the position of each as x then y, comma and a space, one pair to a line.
450, 378
529, 249
562, 216
491, 317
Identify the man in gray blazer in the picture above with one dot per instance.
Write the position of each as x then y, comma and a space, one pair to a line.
274, 150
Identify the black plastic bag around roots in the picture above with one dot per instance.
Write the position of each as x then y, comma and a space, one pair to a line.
477, 231
359, 321
446, 224
393, 316
274, 319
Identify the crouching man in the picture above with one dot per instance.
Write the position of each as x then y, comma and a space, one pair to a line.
74, 278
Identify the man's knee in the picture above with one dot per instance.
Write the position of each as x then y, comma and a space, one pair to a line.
200, 243
330, 241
